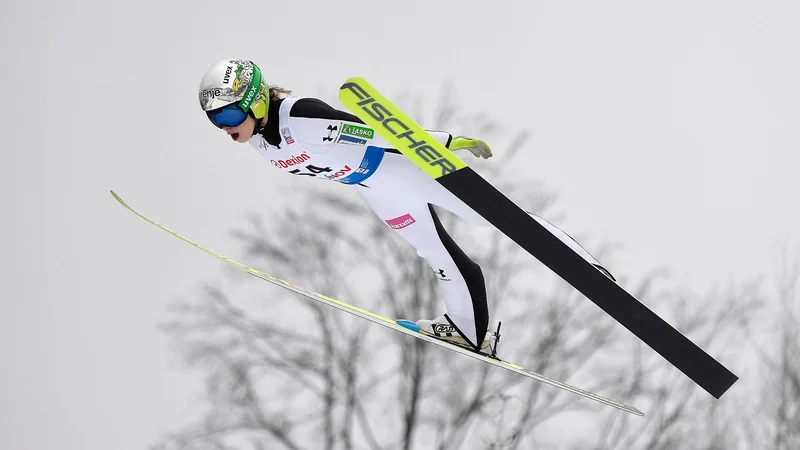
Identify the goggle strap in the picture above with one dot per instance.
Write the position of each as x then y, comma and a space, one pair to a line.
251, 94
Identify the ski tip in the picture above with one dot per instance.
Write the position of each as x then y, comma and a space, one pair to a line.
356, 80
408, 324
355, 86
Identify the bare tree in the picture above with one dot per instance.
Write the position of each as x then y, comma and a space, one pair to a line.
282, 372
680, 415
778, 421
787, 373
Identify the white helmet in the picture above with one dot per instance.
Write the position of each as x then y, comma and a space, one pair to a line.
234, 81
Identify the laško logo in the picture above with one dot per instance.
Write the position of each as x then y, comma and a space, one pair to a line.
293, 161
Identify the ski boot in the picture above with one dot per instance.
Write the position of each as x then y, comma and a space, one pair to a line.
441, 328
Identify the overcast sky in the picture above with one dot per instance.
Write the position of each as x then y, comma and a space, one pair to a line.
668, 128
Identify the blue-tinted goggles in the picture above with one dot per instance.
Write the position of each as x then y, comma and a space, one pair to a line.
229, 116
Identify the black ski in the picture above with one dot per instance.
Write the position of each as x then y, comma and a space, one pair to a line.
437, 161
654, 331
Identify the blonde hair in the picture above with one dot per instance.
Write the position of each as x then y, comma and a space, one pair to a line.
277, 92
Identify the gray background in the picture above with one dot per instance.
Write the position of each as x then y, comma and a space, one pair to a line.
669, 129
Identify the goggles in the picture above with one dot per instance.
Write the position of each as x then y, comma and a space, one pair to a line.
229, 116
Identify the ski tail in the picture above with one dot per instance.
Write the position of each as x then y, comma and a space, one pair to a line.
363, 100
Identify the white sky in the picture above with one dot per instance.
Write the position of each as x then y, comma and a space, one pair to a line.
668, 128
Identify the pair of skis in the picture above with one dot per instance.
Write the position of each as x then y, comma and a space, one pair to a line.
397, 325
436, 160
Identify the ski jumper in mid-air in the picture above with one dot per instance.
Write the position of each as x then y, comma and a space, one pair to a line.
307, 137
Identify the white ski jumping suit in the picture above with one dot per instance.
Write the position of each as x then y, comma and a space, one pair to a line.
307, 137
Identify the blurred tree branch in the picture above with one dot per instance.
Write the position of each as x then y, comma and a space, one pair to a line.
283, 372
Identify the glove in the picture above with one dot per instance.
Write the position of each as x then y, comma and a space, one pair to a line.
476, 146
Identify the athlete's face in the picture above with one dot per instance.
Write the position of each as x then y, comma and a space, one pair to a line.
242, 132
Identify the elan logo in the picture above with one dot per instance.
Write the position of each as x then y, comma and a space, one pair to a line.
443, 328
401, 222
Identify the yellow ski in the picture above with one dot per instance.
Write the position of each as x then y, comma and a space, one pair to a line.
398, 129
389, 323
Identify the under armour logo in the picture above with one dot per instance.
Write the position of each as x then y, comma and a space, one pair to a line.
441, 273
331, 129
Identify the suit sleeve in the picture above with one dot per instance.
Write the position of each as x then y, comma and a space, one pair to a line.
317, 126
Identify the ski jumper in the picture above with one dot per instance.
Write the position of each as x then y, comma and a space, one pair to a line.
307, 137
